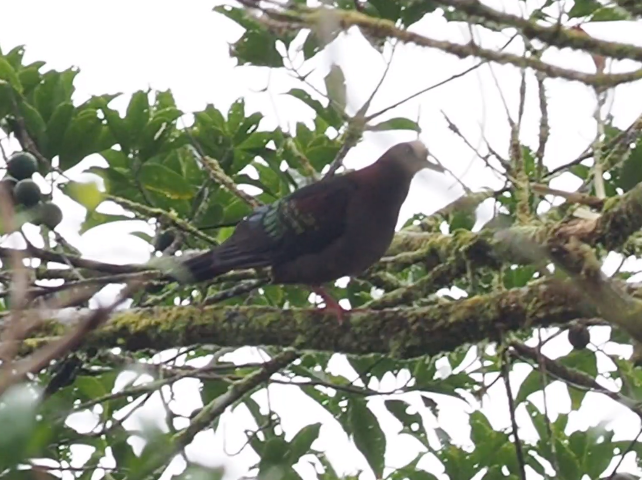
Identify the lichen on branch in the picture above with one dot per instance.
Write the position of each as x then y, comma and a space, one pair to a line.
399, 332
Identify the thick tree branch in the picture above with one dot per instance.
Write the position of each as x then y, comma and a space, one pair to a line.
402, 333
620, 218
453, 254
380, 28
573, 377
557, 36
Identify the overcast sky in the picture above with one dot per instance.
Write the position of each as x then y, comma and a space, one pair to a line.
124, 46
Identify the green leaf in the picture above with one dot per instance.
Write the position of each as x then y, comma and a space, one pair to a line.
245, 130
630, 173
6, 98
123, 453
412, 12
273, 456
18, 419
598, 454
118, 127
387, 9
313, 44
57, 126
257, 47
157, 131
518, 277
411, 474
328, 115
116, 159
213, 389
236, 114
81, 138
30, 77
36, 126
457, 463
569, 468
85, 193
8, 74
164, 99
96, 219
481, 430
583, 8
367, 435
412, 422
581, 171
56, 88
302, 442
462, 219
531, 384
398, 123
610, 14
137, 114
335, 85
90, 387
160, 179
583, 360
15, 56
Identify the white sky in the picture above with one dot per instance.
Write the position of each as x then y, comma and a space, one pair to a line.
123, 46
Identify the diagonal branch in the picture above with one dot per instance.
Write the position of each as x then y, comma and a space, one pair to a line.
213, 410
557, 35
344, 20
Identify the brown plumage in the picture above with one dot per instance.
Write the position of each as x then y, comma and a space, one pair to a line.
333, 228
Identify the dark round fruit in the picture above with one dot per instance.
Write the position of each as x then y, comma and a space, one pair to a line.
49, 214
27, 193
164, 240
22, 165
579, 336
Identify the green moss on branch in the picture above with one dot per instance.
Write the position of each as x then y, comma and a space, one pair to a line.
402, 333
552, 35
380, 28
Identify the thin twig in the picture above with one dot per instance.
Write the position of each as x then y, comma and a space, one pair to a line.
41, 358
511, 406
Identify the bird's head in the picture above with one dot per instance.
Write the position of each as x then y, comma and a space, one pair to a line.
412, 156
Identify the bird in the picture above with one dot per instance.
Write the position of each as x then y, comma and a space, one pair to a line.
336, 227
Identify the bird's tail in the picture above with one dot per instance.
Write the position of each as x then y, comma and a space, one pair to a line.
201, 267
218, 261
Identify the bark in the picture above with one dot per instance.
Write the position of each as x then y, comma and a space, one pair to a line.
399, 332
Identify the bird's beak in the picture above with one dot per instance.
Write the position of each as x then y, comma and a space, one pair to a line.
435, 167
422, 152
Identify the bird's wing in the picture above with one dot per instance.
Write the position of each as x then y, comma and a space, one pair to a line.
313, 217
304, 222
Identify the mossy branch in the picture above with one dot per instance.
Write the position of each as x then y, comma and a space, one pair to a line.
217, 174
168, 217
402, 333
621, 217
381, 28
557, 35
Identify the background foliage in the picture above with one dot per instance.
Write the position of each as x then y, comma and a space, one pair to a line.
185, 180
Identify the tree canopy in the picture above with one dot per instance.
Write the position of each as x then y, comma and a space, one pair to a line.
532, 273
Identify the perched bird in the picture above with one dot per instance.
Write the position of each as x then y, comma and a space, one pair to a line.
336, 227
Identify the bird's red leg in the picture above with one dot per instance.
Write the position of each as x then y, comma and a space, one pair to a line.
330, 303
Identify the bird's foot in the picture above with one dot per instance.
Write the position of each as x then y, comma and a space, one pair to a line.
331, 304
